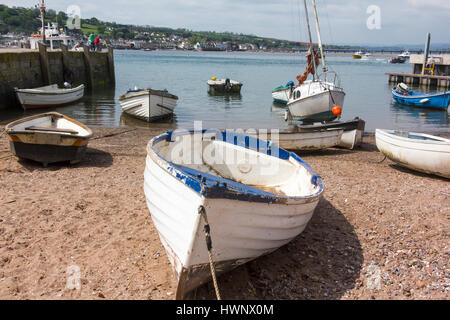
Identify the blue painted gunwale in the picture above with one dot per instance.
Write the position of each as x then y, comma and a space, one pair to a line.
211, 186
438, 100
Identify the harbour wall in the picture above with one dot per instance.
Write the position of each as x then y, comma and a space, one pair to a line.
36, 68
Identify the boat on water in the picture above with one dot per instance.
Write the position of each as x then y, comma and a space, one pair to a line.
48, 138
256, 197
416, 151
358, 55
405, 55
148, 104
48, 96
281, 94
224, 86
319, 99
397, 60
438, 100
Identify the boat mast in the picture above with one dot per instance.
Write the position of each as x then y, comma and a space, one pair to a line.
310, 40
42, 8
324, 66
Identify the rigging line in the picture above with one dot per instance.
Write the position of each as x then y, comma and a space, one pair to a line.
328, 22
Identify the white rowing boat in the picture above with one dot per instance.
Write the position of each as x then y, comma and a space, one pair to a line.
417, 151
148, 104
48, 138
48, 96
256, 196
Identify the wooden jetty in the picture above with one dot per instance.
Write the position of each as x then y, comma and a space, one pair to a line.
419, 79
435, 73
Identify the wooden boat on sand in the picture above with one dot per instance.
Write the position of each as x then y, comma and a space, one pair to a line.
48, 138
416, 151
255, 196
298, 138
48, 96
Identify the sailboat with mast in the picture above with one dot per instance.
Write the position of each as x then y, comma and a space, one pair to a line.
322, 98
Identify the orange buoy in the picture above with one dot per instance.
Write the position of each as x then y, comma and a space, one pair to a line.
337, 110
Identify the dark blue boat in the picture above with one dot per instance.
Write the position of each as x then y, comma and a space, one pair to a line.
403, 95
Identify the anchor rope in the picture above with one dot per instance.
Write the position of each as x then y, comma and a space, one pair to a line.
207, 229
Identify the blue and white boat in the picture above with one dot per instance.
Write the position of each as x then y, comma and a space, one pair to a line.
403, 95
256, 196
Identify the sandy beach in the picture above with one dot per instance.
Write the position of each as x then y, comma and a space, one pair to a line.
380, 231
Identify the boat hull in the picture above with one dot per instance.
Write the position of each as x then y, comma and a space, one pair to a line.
316, 107
47, 146
147, 106
353, 131
46, 153
305, 140
243, 227
220, 86
281, 95
35, 99
432, 157
436, 101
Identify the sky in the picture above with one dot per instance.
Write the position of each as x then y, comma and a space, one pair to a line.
341, 21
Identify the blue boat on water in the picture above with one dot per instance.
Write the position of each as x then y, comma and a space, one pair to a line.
403, 95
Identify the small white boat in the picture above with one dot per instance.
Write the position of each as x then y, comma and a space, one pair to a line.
405, 55
48, 96
417, 151
148, 104
224, 86
314, 101
353, 131
281, 94
48, 138
256, 196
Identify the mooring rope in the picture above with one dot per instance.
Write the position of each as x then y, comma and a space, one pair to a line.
385, 157
207, 229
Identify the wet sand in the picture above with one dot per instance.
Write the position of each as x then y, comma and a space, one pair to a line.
380, 232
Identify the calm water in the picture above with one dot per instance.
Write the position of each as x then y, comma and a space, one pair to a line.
185, 74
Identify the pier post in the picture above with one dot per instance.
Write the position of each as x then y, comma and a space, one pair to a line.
112, 73
87, 63
66, 63
45, 67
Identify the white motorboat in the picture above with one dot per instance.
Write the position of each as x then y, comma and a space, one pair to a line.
148, 104
416, 151
255, 196
48, 96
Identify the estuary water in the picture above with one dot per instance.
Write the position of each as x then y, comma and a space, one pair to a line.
185, 73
